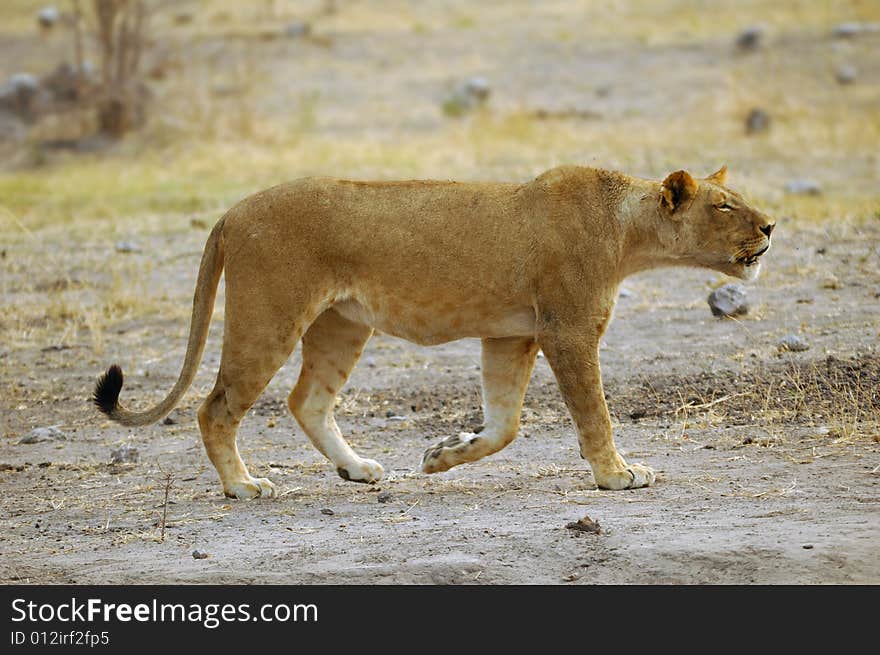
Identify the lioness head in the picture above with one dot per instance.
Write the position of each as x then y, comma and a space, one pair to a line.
714, 225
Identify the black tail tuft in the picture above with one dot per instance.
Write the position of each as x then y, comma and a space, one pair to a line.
106, 395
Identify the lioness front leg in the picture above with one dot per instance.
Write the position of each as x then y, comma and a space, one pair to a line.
574, 359
506, 366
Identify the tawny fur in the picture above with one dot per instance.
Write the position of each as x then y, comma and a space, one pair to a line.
521, 266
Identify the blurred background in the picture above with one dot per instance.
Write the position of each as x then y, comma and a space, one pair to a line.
115, 110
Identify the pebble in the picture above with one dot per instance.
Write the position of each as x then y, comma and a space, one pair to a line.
198, 554
792, 343
48, 16
297, 29
751, 37
125, 454
586, 524
853, 29
469, 95
729, 300
758, 120
127, 246
804, 187
327, 511
37, 435
626, 293
383, 497
847, 74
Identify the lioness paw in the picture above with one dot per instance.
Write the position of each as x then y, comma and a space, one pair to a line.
632, 477
364, 470
251, 488
450, 452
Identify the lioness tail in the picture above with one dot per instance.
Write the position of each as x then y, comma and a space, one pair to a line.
106, 394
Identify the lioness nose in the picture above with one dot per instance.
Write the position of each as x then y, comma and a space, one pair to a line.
767, 229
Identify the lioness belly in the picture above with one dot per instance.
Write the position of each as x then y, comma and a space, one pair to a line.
431, 325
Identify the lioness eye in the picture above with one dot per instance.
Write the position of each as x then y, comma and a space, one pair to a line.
725, 207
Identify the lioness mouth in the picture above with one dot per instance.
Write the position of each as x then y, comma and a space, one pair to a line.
751, 259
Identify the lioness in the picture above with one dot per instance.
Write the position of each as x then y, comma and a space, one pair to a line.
521, 266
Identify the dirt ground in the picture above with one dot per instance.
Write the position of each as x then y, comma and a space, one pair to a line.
768, 461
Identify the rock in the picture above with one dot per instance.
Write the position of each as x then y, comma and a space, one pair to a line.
472, 93
852, 29
125, 454
127, 246
804, 187
23, 96
758, 120
383, 497
586, 524
168, 421
792, 343
751, 37
198, 554
623, 292
48, 16
327, 512
297, 29
846, 74
729, 300
38, 435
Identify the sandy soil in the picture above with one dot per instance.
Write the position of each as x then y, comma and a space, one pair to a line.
767, 460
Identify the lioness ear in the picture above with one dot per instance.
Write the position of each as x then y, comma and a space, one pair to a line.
719, 177
678, 189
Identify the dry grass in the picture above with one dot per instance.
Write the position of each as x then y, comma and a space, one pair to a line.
839, 398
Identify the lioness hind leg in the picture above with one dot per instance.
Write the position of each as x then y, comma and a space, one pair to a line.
257, 340
331, 347
506, 365
219, 426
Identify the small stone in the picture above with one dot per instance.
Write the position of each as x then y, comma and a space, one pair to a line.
125, 454
832, 282
38, 435
297, 29
48, 16
623, 292
758, 120
751, 37
792, 343
729, 300
168, 421
804, 187
470, 94
383, 497
198, 554
586, 524
846, 74
852, 29
127, 246
747, 440
327, 511
808, 546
